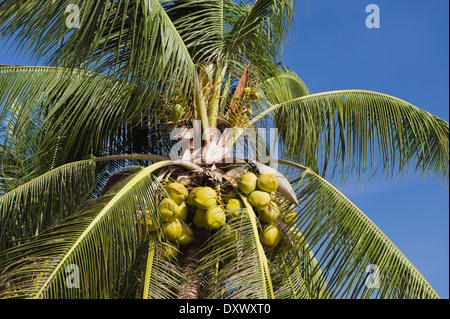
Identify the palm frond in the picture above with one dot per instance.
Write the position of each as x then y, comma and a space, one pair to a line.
79, 114
132, 40
162, 278
261, 26
33, 207
102, 235
201, 25
285, 86
346, 244
288, 279
234, 264
357, 133
18, 136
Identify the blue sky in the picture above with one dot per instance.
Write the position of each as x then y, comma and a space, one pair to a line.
407, 57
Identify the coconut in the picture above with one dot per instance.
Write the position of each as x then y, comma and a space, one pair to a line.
289, 217
177, 192
183, 211
255, 96
169, 209
270, 214
215, 217
150, 226
169, 251
230, 195
267, 182
270, 235
187, 235
234, 207
146, 221
173, 229
259, 200
190, 199
297, 238
248, 183
199, 218
204, 197
143, 229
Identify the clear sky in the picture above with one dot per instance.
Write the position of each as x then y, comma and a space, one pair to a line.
407, 57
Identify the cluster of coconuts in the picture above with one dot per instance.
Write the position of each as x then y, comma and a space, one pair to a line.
173, 212
211, 209
260, 190
245, 101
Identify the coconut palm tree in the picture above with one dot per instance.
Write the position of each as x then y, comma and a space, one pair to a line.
136, 165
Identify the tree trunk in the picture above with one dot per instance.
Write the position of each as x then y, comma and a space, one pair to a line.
192, 256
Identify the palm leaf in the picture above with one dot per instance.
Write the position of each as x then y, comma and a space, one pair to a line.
18, 136
34, 206
285, 86
237, 267
288, 279
357, 133
80, 113
261, 27
162, 279
101, 236
346, 242
201, 25
133, 40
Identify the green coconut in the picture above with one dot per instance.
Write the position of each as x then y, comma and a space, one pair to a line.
143, 229
270, 235
168, 209
297, 238
255, 96
215, 217
187, 235
259, 199
169, 251
289, 217
270, 214
183, 211
204, 197
234, 207
267, 182
173, 229
230, 195
177, 192
199, 218
248, 183
147, 222
190, 199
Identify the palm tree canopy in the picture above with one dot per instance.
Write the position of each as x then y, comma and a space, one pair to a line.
78, 175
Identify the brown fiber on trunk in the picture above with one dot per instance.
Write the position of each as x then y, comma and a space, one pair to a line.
192, 256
